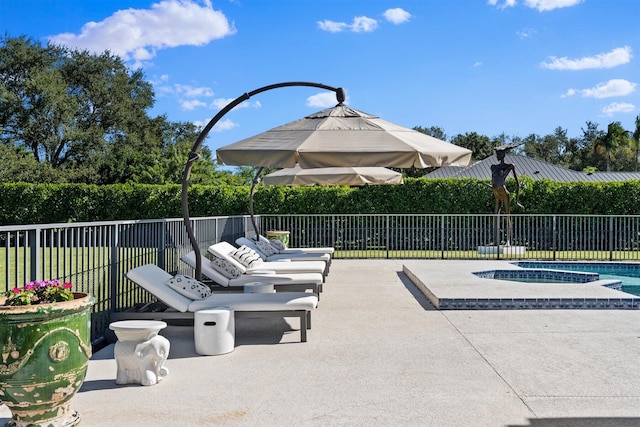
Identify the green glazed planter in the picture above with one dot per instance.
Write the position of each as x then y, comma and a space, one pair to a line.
283, 236
44, 356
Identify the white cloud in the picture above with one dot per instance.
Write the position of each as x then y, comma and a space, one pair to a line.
526, 33
222, 125
331, 26
617, 56
614, 87
191, 104
189, 97
322, 100
360, 24
477, 64
136, 34
618, 107
396, 16
539, 5
225, 124
547, 5
364, 24
192, 92
502, 5
220, 103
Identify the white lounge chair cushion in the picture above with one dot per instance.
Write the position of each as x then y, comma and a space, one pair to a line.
227, 269
258, 302
223, 249
153, 279
298, 256
268, 276
326, 250
246, 256
267, 248
277, 245
189, 287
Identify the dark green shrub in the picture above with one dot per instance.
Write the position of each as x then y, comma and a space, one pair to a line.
23, 203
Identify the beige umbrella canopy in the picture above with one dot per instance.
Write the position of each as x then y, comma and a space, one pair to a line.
335, 137
333, 176
342, 137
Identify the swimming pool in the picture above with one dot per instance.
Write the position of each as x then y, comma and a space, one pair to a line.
626, 272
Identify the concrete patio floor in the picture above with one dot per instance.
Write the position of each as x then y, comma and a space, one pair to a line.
379, 354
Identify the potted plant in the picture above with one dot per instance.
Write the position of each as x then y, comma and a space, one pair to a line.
45, 346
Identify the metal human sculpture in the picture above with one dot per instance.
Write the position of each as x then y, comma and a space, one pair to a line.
499, 174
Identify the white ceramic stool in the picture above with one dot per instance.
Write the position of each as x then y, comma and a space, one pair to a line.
214, 331
140, 352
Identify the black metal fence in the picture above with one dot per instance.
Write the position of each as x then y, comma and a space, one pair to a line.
551, 237
95, 256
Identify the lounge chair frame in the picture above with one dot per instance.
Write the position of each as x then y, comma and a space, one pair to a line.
304, 317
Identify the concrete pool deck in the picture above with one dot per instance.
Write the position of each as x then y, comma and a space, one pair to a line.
379, 354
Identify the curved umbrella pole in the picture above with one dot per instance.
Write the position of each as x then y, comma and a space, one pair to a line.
256, 180
194, 156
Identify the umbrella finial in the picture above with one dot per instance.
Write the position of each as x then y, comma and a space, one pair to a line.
340, 95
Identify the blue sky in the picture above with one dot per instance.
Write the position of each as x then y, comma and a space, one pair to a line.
488, 66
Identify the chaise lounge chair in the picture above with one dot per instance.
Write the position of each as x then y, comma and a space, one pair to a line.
225, 250
268, 253
322, 250
273, 254
278, 304
295, 282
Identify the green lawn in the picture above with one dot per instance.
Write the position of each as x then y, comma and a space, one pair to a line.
542, 255
89, 268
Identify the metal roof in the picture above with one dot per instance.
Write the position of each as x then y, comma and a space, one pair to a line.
533, 168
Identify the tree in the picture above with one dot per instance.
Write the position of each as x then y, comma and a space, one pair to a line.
636, 140
550, 148
434, 131
503, 139
245, 174
586, 157
480, 145
83, 118
18, 165
32, 96
64, 106
615, 137
413, 172
156, 152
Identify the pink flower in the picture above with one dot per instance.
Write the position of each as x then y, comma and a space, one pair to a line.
40, 292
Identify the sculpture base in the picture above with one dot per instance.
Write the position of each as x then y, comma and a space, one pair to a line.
504, 250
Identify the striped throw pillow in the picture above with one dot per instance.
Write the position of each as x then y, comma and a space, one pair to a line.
246, 256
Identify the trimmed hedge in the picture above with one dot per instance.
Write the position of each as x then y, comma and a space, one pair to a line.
23, 203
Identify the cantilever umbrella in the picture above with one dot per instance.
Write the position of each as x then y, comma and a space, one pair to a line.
341, 136
333, 176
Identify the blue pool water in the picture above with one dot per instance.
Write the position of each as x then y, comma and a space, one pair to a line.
627, 273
